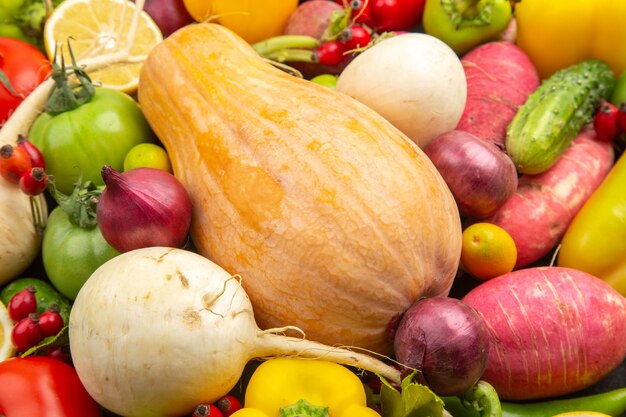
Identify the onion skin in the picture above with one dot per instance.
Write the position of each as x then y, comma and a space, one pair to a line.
143, 207
446, 340
480, 174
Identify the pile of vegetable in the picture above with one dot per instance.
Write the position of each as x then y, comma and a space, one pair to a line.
312, 208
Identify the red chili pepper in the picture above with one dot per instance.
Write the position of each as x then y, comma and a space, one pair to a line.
605, 122
43, 387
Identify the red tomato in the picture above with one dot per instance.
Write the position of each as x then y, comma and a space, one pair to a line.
42, 386
387, 15
24, 67
396, 15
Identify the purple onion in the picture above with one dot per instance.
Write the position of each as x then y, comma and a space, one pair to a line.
480, 175
446, 341
143, 207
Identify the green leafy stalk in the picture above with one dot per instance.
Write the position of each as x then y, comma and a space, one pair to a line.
81, 205
412, 400
66, 96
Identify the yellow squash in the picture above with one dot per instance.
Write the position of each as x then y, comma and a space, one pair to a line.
334, 219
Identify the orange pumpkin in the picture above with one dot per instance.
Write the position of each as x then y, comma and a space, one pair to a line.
334, 219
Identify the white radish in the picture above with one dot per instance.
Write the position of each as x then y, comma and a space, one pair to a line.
18, 234
156, 331
414, 80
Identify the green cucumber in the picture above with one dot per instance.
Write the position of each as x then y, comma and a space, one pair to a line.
545, 125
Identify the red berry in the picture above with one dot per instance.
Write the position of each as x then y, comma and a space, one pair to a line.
36, 157
355, 36
330, 53
621, 118
360, 10
14, 162
50, 322
605, 122
22, 304
34, 181
228, 404
59, 353
26, 333
206, 410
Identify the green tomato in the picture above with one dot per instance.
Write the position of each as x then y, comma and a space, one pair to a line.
464, 24
619, 93
327, 80
72, 253
80, 141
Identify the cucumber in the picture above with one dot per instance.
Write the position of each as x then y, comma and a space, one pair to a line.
554, 114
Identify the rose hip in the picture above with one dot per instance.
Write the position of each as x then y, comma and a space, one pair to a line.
22, 304
50, 322
26, 333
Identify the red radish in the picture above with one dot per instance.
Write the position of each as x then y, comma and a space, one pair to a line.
538, 214
605, 121
312, 18
480, 175
553, 331
500, 77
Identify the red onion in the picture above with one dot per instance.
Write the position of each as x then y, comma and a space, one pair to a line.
143, 207
446, 340
480, 174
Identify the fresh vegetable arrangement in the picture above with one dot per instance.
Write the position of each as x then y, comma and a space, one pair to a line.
323, 208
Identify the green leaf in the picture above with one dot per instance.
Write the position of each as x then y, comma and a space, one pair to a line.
413, 400
61, 339
81, 206
303, 409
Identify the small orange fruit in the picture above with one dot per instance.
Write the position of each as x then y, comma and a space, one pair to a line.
487, 251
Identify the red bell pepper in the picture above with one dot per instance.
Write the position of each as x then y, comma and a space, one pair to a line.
43, 387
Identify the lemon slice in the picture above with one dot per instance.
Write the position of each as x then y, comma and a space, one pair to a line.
96, 28
6, 325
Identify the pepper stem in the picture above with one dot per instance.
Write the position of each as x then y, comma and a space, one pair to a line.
483, 398
303, 409
468, 13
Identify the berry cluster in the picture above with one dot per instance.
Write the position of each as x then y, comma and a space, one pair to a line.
224, 407
333, 52
609, 121
31, 328
24, 165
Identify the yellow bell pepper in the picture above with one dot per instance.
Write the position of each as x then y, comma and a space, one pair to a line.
304, 387
595, 241
558, 33
253, 20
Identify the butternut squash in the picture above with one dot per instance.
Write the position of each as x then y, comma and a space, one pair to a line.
333, 218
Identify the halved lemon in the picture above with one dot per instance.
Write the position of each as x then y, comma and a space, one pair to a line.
6, 325
98, 27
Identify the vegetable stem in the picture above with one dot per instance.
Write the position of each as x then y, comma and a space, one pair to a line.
272, 343
277, 43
